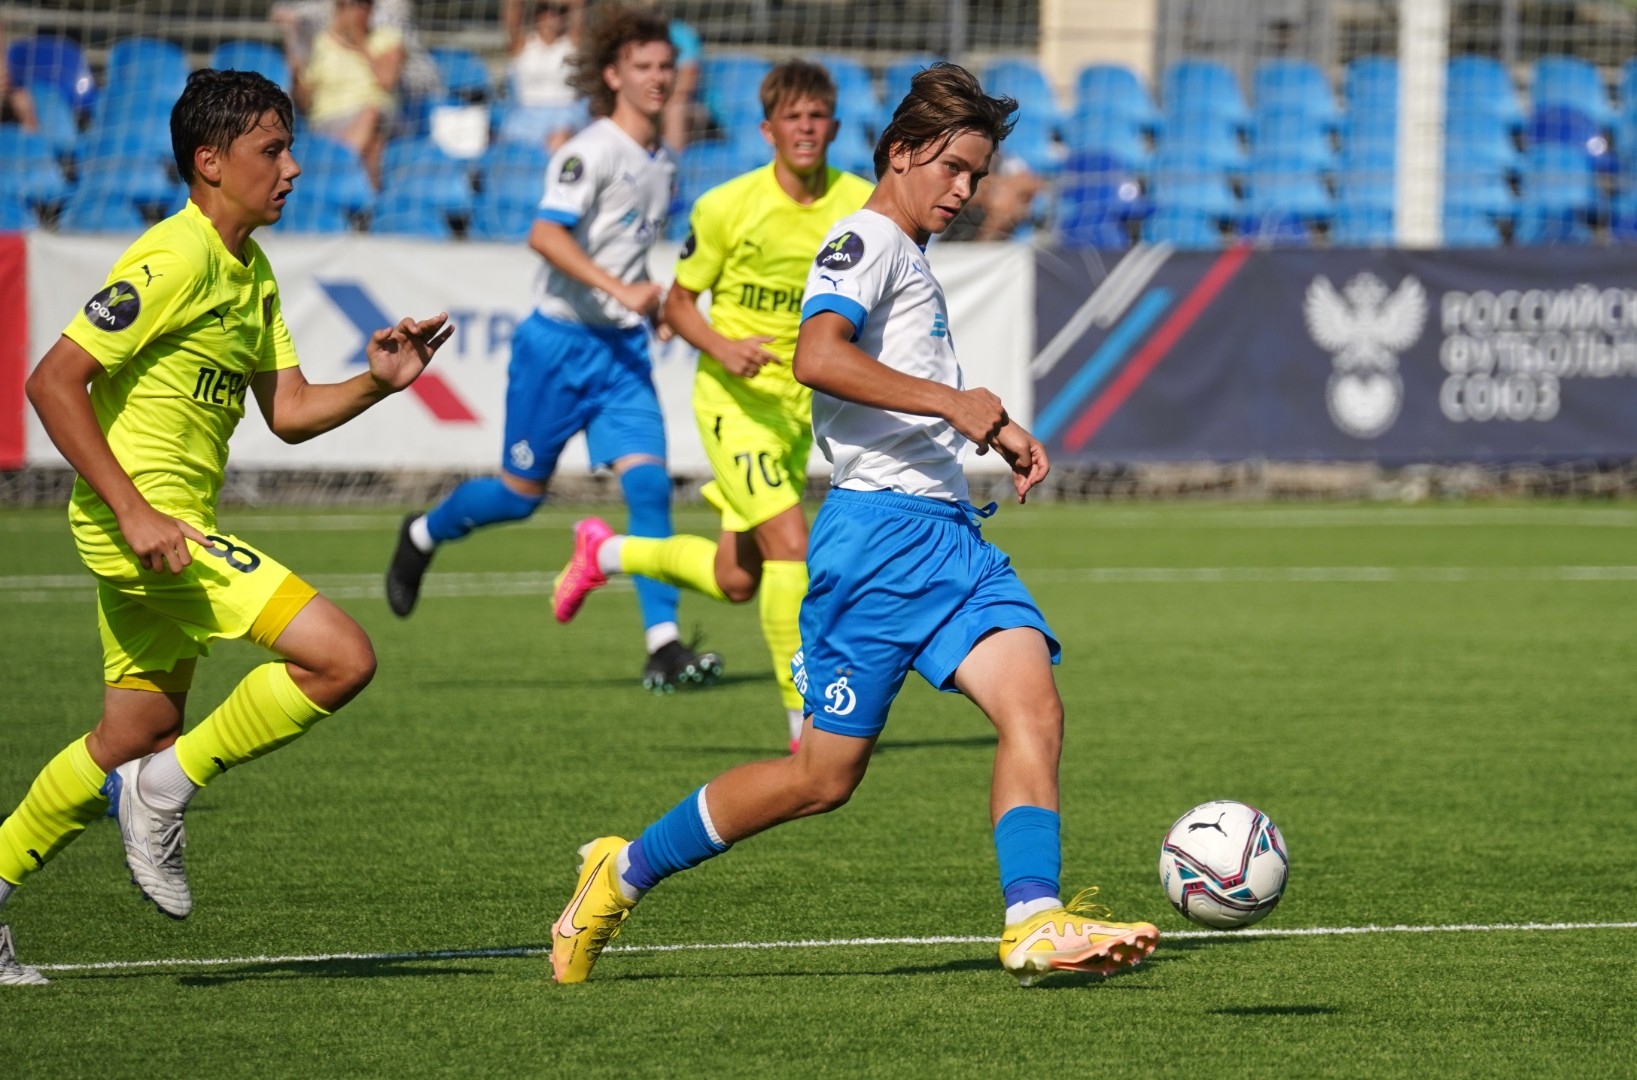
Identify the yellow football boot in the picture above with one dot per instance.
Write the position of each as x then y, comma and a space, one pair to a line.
1076, 937
592, 918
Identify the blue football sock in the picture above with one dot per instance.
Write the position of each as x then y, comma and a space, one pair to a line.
474, 504
677, 841
1028, 844
648, 499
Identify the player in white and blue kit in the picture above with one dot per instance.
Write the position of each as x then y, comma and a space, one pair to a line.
580, 361
901, 576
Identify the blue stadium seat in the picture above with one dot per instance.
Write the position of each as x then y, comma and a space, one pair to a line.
1184, 179
495, 218
1183, 227
465, 77
15, 216
1569, 126
54, 61
1370, 83
1623, 213
1361, 226
1119, 136
58, 123
1278, 188
516, 172
1292, 136
28, 168
1023, 81
1211, 137
1114, 91
1276, 228
1559, 180
142, 133
1366, 187
138, 181
146, 67
730, 87
404, 212
1479, 137
856, 108
1573, 82
1290, 85
90, 211
1204, 87
1097, 195
422, 189
1481, 84
242, 54
1369, 140
1537, 228
1475, 182
895, 82
332, 178
1466, 229
305, 213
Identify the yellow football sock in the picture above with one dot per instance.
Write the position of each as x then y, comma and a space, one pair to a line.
688, 562
265, 711
779, 598
64, 799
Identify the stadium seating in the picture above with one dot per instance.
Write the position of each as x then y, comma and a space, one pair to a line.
53, 61
144, 67
91, 210
1295, 136
1183, 227
730, 85
423, 191
895, 82
1572, 82
333, 188
1559, 195
1114, 90
29, 172
15, 216
1481, 84
1370, 84
241, 54
1097, 196
856, 108
1023, 81
58, 123
465, 77
1204, 88
513, 181
1213, 139
705, 165
1294, 86
1183, 178
1361, 226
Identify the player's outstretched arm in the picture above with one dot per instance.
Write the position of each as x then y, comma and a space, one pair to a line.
827, 360
296, 410
742, 356
57, 390
1025, 455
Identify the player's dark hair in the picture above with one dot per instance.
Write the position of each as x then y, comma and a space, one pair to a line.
608, 33
943, 101
793, 81
217, 107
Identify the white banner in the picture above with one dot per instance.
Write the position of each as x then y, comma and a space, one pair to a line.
338, 289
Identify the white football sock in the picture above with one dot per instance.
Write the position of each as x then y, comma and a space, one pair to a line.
421, 536
796, 717
660, 635
608, 556
622, 863
1016, 913
163, 785
5, 891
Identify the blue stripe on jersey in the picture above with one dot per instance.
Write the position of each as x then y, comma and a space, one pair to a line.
851, 310
561, 217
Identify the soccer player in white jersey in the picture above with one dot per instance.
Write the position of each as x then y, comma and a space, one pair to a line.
580, 361
901, 575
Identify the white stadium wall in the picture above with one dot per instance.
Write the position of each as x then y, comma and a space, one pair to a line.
334, 288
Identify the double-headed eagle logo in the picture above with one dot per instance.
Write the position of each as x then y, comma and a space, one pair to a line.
1366, 326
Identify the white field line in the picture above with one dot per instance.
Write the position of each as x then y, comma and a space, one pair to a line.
71, 588
729, 946
1093, 516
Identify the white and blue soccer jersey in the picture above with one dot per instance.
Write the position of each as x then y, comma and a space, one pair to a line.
873, 274
615, 197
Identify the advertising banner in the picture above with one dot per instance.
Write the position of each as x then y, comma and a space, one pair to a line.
1344, 355
337, 290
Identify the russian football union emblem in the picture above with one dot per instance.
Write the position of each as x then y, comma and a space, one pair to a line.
1365, 326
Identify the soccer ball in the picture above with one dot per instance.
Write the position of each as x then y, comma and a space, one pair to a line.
1224, 864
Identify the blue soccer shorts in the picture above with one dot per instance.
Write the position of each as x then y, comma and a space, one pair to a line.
897, 582
565, 378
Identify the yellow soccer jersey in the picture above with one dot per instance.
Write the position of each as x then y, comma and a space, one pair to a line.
751, 245
180, 329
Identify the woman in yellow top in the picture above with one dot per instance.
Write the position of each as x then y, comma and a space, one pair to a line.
348, 85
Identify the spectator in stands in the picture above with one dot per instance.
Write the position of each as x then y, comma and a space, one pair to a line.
546, 110
347, 84
16, 103
1003, 202
303, 21
681, 118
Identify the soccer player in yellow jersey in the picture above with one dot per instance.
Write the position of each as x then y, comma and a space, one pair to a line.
140, 394
750, 244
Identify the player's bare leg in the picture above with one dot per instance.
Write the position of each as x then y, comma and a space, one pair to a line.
1008, 675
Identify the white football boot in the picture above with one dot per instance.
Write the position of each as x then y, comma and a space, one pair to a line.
11, 972
153, 843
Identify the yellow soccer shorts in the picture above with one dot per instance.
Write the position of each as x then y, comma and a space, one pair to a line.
758, 455
155, 625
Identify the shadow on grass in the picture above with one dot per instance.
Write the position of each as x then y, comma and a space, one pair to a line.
1272, 1010
330, 969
